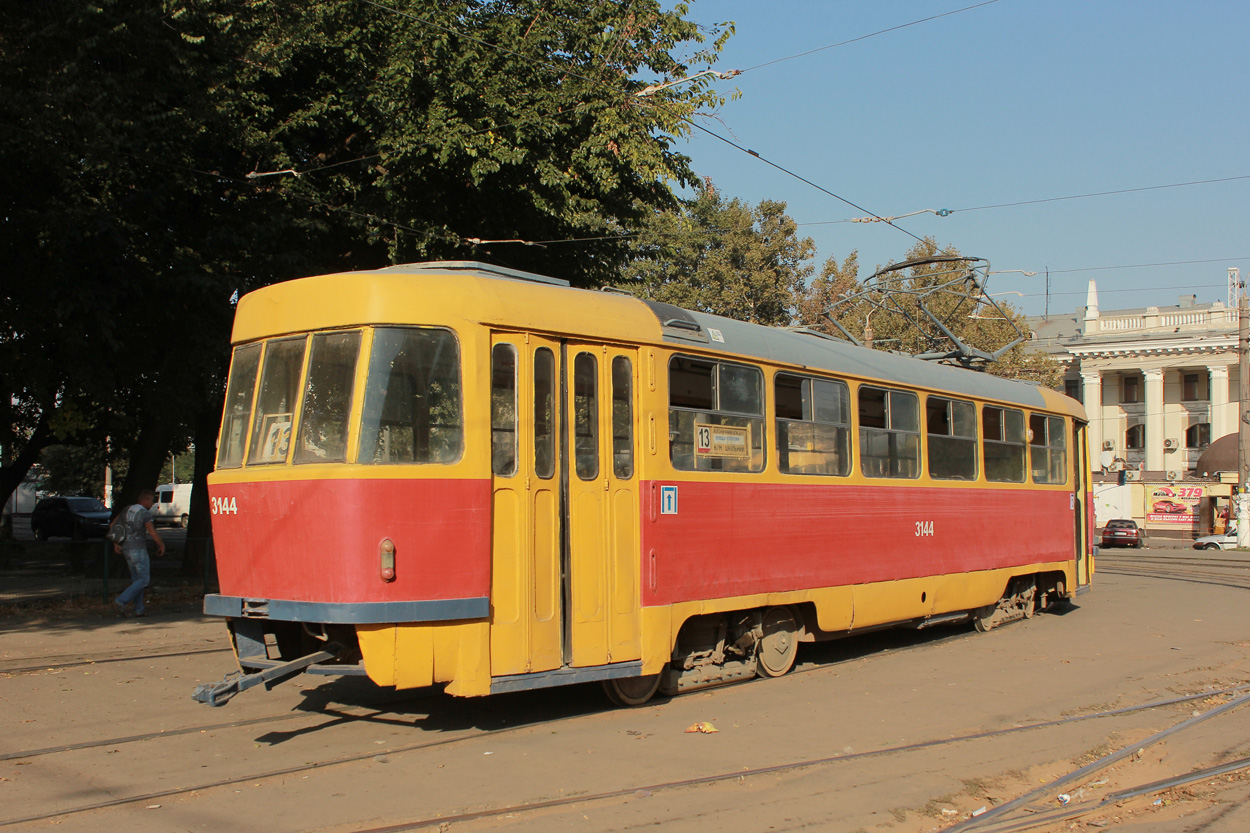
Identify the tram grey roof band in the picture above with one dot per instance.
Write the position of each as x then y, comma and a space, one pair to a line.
835, 356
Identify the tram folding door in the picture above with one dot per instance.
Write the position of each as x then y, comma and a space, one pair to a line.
562, 420
526, 608
1081, 499
604, 567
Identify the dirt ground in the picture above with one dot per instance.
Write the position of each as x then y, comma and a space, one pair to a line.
899, 731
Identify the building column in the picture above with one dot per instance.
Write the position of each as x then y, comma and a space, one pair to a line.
1091, 395
1220, 422
1155, 433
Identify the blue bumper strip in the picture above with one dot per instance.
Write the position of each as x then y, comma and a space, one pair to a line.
358, 613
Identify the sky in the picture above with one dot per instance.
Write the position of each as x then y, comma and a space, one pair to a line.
1012, 101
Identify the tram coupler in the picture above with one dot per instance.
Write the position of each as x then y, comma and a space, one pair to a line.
220, 692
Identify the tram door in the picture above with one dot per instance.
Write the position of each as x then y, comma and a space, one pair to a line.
602, 573
526, 620
1080, 487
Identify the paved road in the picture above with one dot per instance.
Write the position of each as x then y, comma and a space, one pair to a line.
864, 736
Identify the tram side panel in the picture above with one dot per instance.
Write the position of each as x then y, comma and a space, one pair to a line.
726, 540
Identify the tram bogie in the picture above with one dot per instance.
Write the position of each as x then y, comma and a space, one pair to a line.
454, 474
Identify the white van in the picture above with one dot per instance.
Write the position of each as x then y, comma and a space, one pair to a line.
173, 504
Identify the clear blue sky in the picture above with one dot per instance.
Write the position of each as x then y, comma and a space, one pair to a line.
1013, 101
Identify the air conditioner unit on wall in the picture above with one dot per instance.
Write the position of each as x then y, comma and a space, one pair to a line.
1170, 445
1108, 445
1132, 474
1175, 475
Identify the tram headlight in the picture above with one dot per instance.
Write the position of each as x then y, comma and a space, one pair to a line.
386, 560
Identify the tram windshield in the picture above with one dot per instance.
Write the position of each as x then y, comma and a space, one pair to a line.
411, 411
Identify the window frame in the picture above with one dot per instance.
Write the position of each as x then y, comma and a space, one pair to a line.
369, 391
502, 399
972, 441
1201, 435
1052, 448
269, 426
299, 455
755, 459
809, 414
891, 432
1002, 444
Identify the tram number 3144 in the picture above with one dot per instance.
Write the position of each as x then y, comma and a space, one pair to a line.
924, 529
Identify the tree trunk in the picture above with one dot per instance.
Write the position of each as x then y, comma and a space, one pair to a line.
12, 475
198, 558
147, 458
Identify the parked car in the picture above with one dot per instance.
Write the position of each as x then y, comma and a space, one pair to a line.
1121, 533
1226, 541
70, 517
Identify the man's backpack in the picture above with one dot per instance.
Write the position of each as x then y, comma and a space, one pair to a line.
117, 530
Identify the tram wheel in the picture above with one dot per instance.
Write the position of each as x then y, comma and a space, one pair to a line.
779, 645
631, 691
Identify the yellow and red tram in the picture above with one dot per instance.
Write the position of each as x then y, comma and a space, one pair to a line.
452, 473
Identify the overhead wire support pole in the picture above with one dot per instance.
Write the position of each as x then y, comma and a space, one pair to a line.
1243, 419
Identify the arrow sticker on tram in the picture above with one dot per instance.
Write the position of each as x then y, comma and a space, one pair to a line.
668, 500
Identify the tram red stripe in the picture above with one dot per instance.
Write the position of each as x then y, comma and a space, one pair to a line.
731, 539
317, 540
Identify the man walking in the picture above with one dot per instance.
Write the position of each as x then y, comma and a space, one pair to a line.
139, 525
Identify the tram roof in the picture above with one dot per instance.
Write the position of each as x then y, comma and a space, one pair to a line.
451, 291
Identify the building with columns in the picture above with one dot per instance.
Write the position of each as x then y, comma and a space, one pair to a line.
1159, 384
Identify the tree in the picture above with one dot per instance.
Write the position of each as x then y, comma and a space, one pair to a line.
157, 157
979, 325
722, 257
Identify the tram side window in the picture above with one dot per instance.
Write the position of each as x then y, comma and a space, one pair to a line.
586, 416
889, 433
275, 405
622, 418
813, 425
243, 367
1003, 446
503, 415
544, 413
328, 398
952, 430
716, 415
412, 408
1048, 449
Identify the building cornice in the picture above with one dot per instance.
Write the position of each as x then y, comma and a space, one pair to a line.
1162, 347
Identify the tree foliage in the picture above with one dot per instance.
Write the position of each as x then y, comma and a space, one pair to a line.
724, 257
157, 157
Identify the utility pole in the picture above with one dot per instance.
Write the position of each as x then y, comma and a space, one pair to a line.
1243, 421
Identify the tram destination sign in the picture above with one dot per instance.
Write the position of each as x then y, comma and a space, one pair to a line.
722, 441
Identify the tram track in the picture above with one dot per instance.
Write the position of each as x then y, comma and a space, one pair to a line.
1184, 561
62, 662
518, 809
343, 760
1193, 576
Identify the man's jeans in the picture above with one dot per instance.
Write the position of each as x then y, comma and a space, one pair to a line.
140, 574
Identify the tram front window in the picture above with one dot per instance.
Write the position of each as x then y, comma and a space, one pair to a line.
328, 398
275, 405
243, 369
412, 408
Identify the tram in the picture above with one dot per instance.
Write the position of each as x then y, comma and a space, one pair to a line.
456, 474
